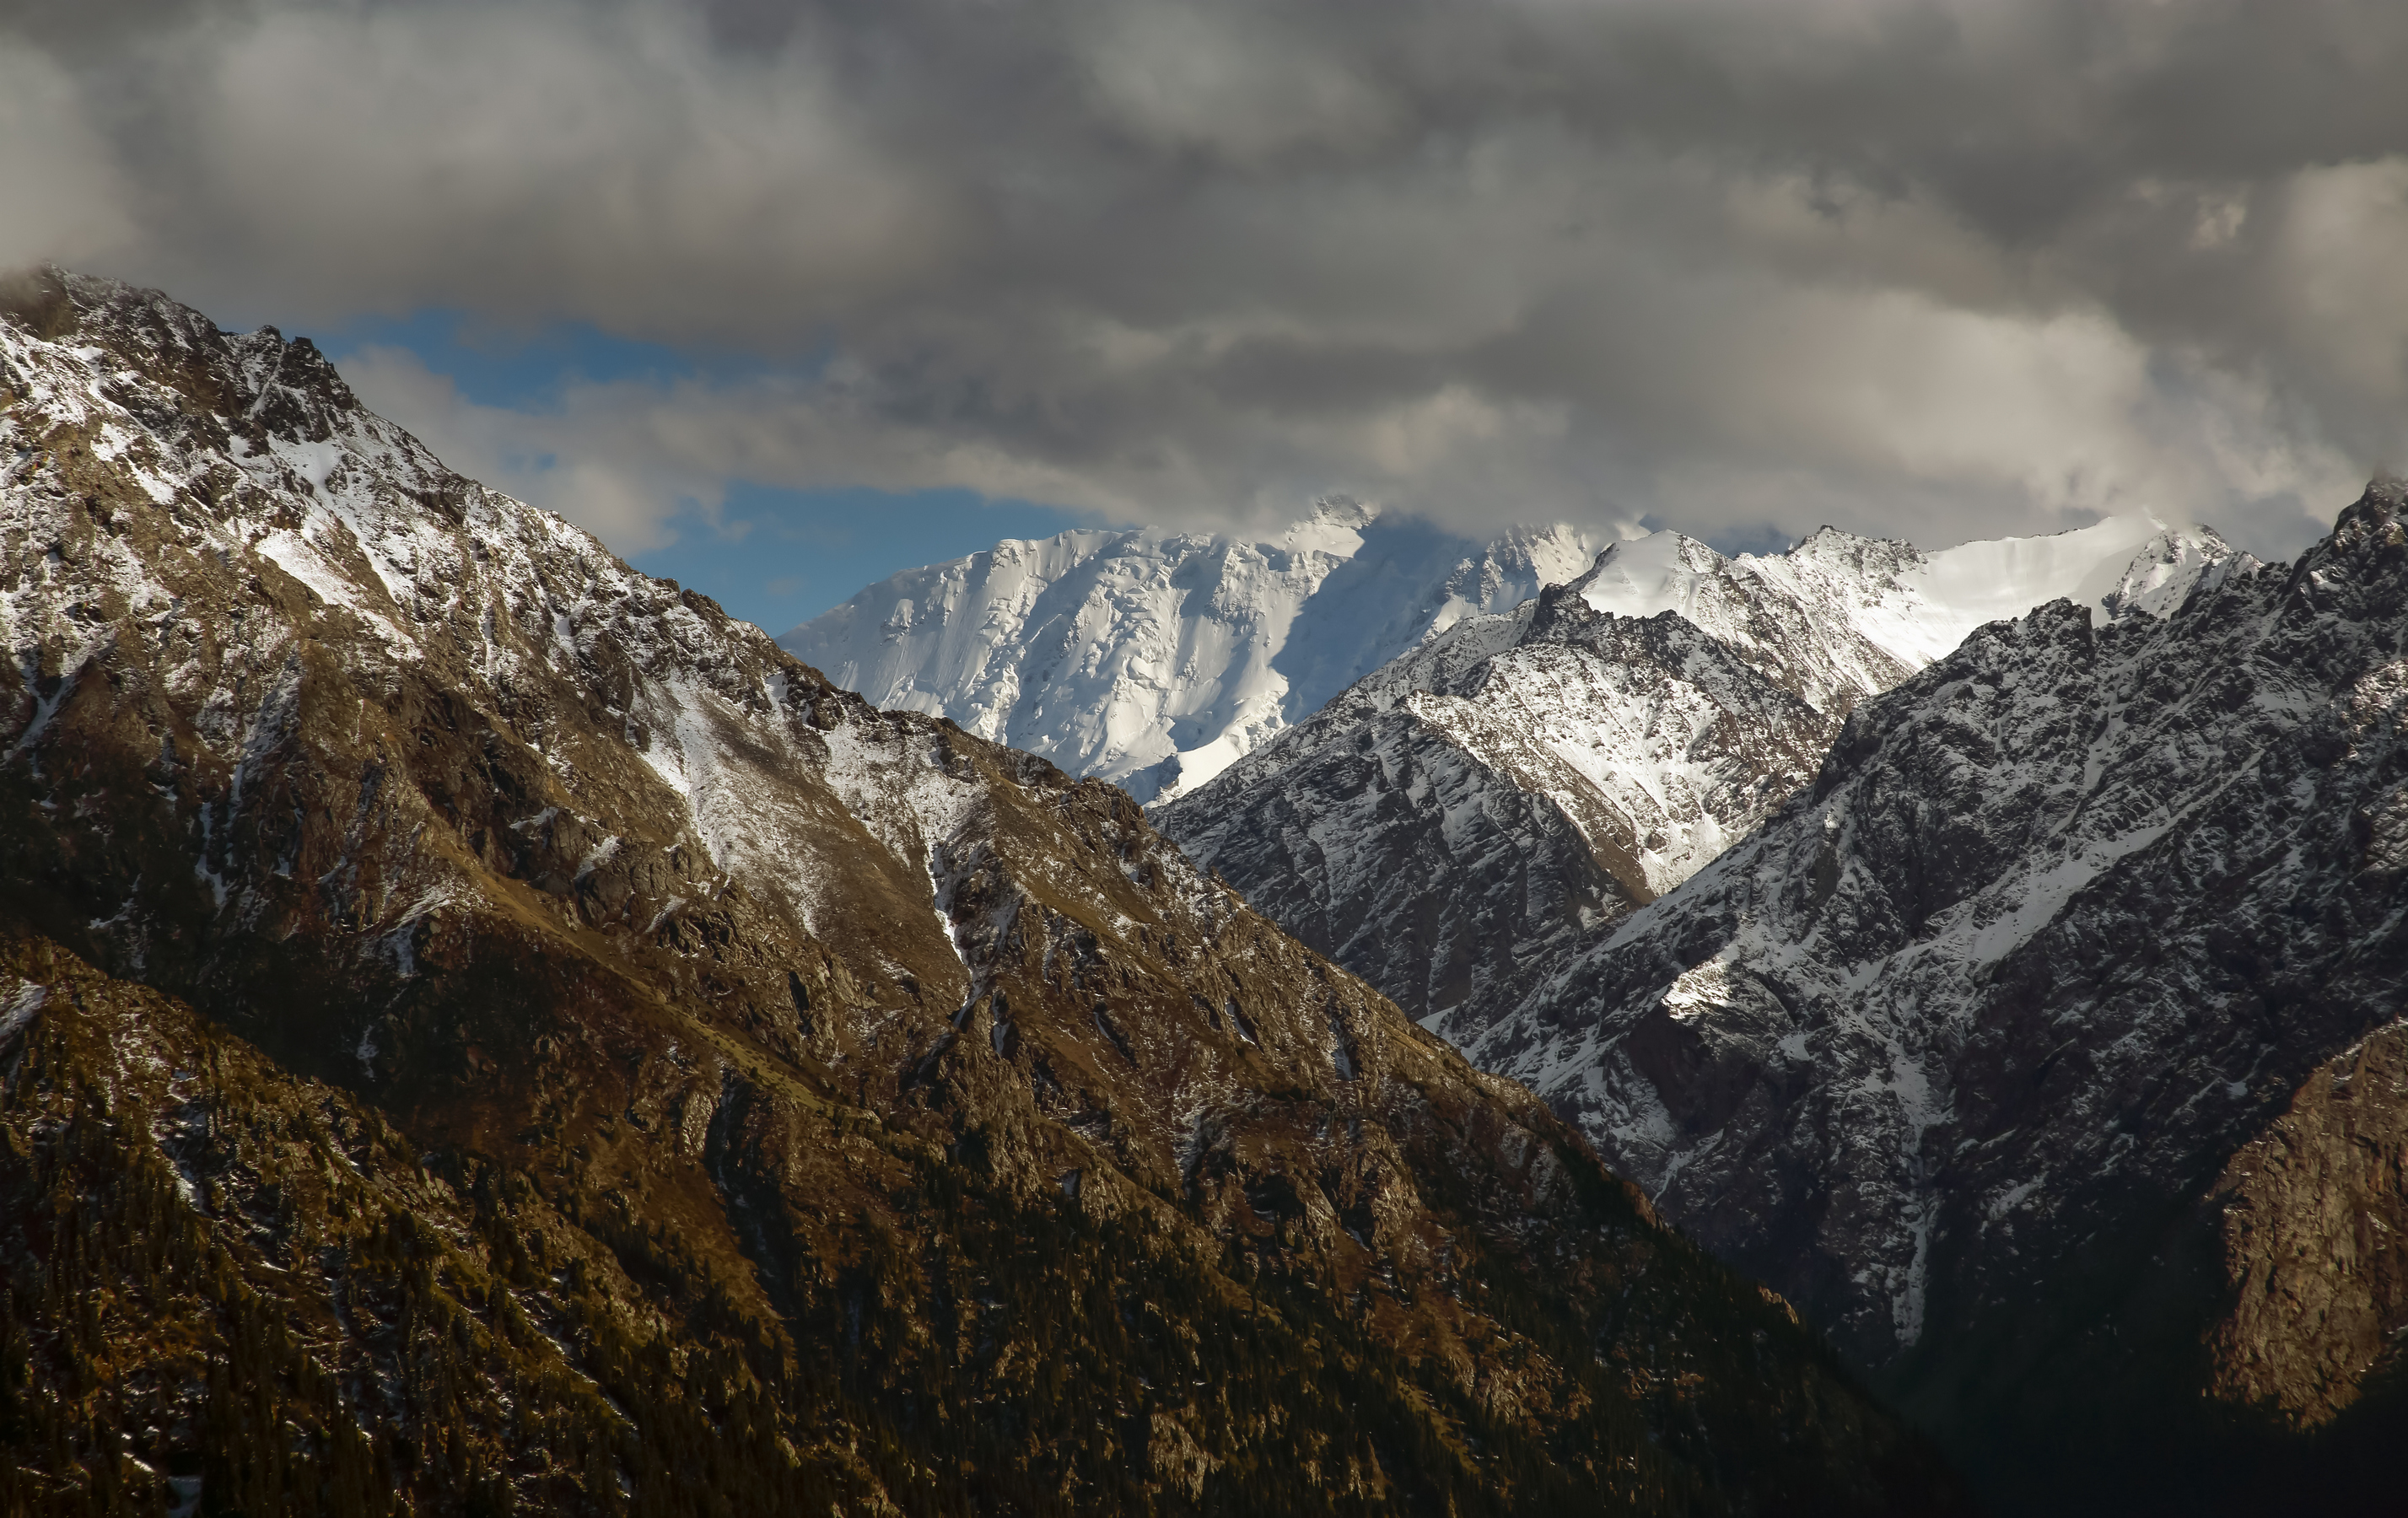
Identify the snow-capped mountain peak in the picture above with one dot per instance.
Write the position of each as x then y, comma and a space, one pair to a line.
1152, 658
1912, 604
1454, 822
1664, 571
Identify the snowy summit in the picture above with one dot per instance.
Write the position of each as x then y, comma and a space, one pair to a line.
1153, 659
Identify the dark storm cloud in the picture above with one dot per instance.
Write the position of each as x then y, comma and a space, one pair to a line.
1935, 268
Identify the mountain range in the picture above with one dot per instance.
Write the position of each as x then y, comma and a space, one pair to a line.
1998, 950
484, 1031
481, 1030
1978, 1045
1455, 824
2025, 1022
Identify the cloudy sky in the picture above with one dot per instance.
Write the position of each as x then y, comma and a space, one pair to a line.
752, 282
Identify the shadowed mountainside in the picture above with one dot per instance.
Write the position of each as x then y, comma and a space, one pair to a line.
627, 1073
1974, 1049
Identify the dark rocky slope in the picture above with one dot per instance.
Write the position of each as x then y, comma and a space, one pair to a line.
1458, 825
1968, 1050
632, 1075
1423, 831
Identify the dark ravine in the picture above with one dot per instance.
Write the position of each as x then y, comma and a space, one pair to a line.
493, 1018
2022, 1050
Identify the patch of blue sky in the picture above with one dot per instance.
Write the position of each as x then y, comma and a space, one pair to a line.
779, 557
521, 368
773, 555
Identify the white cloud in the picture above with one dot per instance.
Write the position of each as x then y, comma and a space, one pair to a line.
594, 458
1232, 84
603, 162
2342, 264
59, 178
1933, 267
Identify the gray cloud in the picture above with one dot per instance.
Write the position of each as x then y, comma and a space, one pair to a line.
1938, 268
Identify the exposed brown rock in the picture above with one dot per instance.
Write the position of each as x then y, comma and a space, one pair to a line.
2315, 1240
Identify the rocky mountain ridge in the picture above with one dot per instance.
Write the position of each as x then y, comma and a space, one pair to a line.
1981, 1048
1456, 824
768, 1100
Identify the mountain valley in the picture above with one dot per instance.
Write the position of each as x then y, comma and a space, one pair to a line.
531, 1043
487, 1032
1997, 949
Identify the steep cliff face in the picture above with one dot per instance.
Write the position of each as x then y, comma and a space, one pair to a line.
1457, 825
1152, 659
926, 1126
1952, 1047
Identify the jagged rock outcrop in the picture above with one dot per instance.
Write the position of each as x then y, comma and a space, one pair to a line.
1152, 659
1456, 826
1953, 1049
901, 1121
